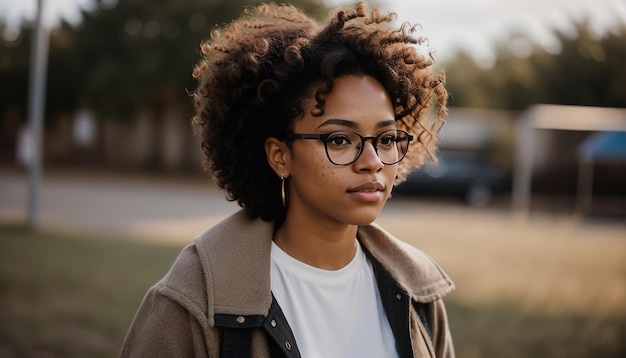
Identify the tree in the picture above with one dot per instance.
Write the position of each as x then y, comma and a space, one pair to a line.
137, 52
587, 71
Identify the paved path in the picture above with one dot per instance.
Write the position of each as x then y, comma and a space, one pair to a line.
110, 204
177, 209
144, 206
147, 207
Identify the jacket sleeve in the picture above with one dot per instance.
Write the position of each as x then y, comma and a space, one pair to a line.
164, 328
442, 338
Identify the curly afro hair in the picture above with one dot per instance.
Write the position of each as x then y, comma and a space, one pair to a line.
257, 72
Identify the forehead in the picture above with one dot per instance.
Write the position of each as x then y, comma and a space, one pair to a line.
361, 100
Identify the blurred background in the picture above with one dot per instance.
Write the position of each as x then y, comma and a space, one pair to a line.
525, 208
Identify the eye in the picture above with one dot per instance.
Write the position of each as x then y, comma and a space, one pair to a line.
339, 140
388, 139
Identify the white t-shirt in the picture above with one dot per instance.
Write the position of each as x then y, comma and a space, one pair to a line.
332, 313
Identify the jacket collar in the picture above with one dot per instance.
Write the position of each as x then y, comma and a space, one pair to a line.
235, 256
412, 269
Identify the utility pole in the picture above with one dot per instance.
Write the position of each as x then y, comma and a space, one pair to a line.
36, 106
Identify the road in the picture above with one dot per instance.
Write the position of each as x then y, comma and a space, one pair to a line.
141, 206
116, 204
109, 203
160, 208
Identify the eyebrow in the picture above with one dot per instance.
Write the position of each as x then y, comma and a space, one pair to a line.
353, 124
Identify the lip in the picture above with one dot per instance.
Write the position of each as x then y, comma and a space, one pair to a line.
368, 192
371, 186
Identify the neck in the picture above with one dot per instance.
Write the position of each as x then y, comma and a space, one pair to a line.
329, 247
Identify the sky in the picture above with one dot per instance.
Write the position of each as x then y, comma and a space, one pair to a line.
450, 25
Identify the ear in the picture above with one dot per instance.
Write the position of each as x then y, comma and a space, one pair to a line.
278, 156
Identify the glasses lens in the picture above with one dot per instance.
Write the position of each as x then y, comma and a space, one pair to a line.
392, 146
343, 147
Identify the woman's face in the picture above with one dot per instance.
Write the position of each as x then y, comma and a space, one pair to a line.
352, 194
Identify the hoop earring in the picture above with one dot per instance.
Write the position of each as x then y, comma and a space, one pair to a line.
283, 194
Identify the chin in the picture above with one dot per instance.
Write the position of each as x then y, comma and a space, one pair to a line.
363, 218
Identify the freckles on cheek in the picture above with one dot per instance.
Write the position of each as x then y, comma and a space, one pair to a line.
332, 173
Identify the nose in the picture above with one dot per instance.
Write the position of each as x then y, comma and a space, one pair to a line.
368, 160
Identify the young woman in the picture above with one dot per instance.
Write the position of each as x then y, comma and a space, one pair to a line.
308, 126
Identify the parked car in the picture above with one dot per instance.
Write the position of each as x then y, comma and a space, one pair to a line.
457, 174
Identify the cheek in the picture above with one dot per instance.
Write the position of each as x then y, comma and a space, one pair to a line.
317, 172
391, 173
335, 177
314, 168
325, 176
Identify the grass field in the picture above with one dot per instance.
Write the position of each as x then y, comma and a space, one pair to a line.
70, 296
520, 295
544, 286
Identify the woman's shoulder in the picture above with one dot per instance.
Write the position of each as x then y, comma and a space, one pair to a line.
225, 270
234, 256
217, 259
184, 283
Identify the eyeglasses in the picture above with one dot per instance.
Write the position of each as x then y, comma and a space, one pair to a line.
345, 147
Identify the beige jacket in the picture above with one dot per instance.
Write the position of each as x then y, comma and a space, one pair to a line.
226, 273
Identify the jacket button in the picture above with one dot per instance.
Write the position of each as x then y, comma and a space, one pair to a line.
398, 297
288, 345
241, 319
273, 323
